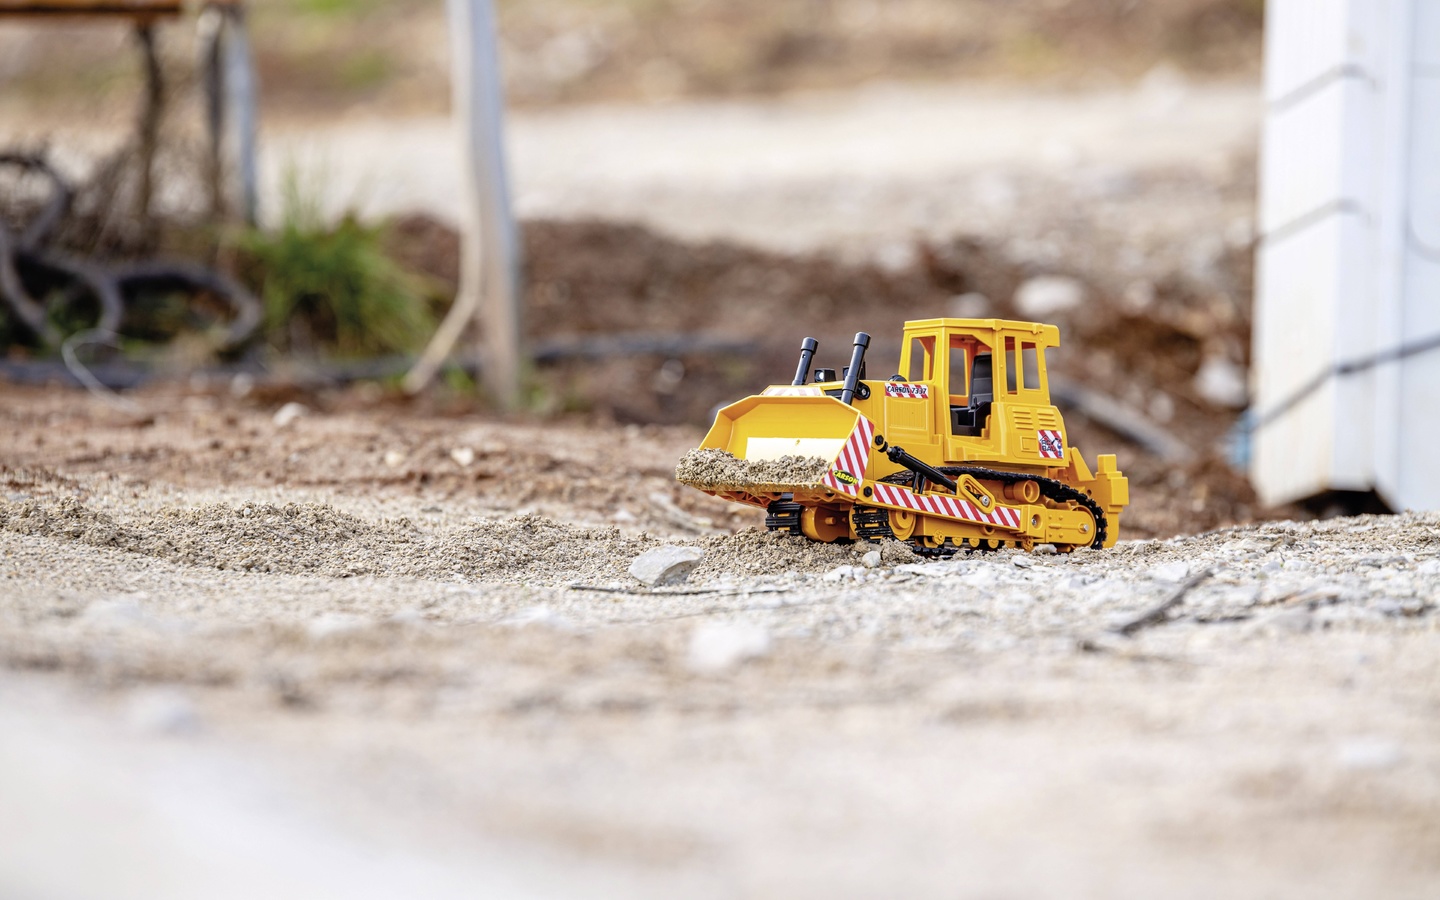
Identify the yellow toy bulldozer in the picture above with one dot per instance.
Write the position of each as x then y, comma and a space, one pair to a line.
961, 450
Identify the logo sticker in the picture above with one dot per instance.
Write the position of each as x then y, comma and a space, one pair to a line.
1052, 446
907, 391
845, 477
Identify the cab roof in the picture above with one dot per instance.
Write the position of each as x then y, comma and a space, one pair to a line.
1045, 335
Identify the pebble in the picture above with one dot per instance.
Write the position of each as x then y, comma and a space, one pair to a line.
394, 458
1222, 383
331, 624
1046, 295
163, 711
114, 613
717, 647
288, 413
538, 615
1368, 754
838, 573
1174, 572
463, 456
871, 559
670, 564
1022, 562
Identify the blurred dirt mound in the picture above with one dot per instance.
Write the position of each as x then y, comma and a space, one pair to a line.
317, 539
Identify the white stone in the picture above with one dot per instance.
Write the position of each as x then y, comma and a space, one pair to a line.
1368, 754
288, 413
1175, 571
120, 613
538, 615
1044, 295
969, 306
1222, 383
163, 711
1022, 562
670, 564
332, 624
871, 559
394, 458
838, 573
463, 456
717, 647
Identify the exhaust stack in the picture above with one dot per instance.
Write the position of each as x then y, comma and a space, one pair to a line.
852, 374
807, 353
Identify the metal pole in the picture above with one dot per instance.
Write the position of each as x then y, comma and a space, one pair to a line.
490, 246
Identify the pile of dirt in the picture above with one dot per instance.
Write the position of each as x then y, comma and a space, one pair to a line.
714, 470
316, 539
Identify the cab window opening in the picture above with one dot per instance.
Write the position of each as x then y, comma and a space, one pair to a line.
922, 351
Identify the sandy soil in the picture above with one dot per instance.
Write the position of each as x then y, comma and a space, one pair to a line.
395, 685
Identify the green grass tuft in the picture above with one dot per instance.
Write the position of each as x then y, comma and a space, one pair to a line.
330, 287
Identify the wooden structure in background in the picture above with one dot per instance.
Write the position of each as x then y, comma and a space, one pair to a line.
228, 79
489, 294
134, 9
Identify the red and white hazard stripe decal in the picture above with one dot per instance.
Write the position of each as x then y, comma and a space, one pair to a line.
945, 505
1052, 446
906, 390
848, 470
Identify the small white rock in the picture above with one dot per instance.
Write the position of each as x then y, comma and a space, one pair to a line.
463, 456
332, 624
1044, 295
288, 413
1222, 383
1022, 562
871, 559
163, 711
1175, 571
538, 615
1369, 754
665, 565
838, 573
969, 306
716, 647
394, 458
121, 613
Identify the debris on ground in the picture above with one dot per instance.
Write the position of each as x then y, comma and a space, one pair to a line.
665, 565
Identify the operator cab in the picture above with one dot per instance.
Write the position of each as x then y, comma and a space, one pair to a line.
974, 363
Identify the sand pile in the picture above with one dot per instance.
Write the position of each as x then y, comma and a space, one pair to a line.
715, 469
315, 539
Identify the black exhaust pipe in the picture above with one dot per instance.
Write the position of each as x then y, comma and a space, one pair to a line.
807, 353
852, 374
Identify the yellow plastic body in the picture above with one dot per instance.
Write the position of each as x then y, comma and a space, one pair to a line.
926, 414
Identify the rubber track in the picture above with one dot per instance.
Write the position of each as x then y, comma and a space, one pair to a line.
783, 515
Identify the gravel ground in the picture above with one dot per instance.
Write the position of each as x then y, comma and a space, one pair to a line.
442, 681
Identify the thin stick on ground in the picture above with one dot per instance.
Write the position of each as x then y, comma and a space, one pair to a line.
1158, 613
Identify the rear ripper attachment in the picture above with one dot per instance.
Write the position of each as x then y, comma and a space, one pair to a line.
985, 463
